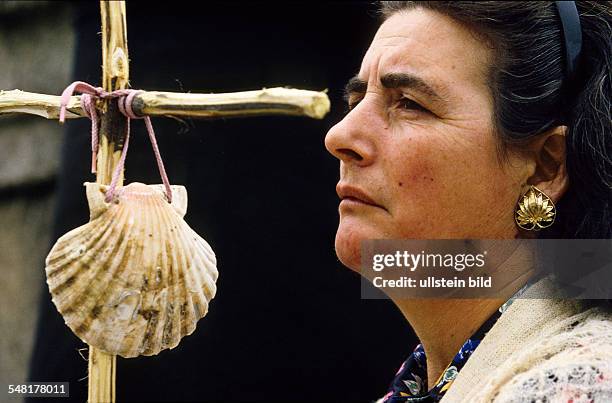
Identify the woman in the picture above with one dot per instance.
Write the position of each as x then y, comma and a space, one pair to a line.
459, 109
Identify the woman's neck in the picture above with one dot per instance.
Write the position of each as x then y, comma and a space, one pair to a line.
443, 325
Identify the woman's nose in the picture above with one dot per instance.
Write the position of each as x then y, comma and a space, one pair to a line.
349, 140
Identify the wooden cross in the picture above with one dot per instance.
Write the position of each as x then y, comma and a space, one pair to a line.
115, 76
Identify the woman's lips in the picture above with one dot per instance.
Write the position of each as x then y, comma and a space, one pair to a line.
352, 196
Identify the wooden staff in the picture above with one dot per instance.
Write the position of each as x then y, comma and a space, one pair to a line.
269, 101
115, 74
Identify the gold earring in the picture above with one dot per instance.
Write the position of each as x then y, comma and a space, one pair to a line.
535, 210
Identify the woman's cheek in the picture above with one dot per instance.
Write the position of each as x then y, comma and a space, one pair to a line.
411, 174
427, 190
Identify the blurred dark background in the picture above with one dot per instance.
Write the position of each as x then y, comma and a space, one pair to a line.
288, 322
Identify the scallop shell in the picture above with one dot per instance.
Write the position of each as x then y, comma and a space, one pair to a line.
536, 210
136, 278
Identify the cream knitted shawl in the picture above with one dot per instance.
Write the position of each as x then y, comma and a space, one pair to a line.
540, 350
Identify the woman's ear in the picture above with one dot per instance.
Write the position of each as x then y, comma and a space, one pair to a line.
549, 152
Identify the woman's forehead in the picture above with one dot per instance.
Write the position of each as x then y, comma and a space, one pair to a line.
430, 45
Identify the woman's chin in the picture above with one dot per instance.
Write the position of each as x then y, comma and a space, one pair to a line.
348, 244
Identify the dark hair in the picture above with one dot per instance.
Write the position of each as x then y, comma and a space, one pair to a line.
531, 95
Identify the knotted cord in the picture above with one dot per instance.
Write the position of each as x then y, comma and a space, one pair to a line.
89, 94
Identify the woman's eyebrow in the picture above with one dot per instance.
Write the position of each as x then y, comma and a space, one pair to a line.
357, 85
406, 80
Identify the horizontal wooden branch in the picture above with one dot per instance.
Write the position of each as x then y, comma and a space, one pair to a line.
270, 101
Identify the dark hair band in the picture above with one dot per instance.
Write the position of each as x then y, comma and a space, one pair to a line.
572, 36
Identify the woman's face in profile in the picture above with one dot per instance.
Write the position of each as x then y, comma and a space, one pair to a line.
418, 152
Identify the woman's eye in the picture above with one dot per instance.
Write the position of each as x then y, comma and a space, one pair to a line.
404, 103
409, 104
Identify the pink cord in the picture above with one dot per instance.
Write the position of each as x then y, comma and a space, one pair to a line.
89, 94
